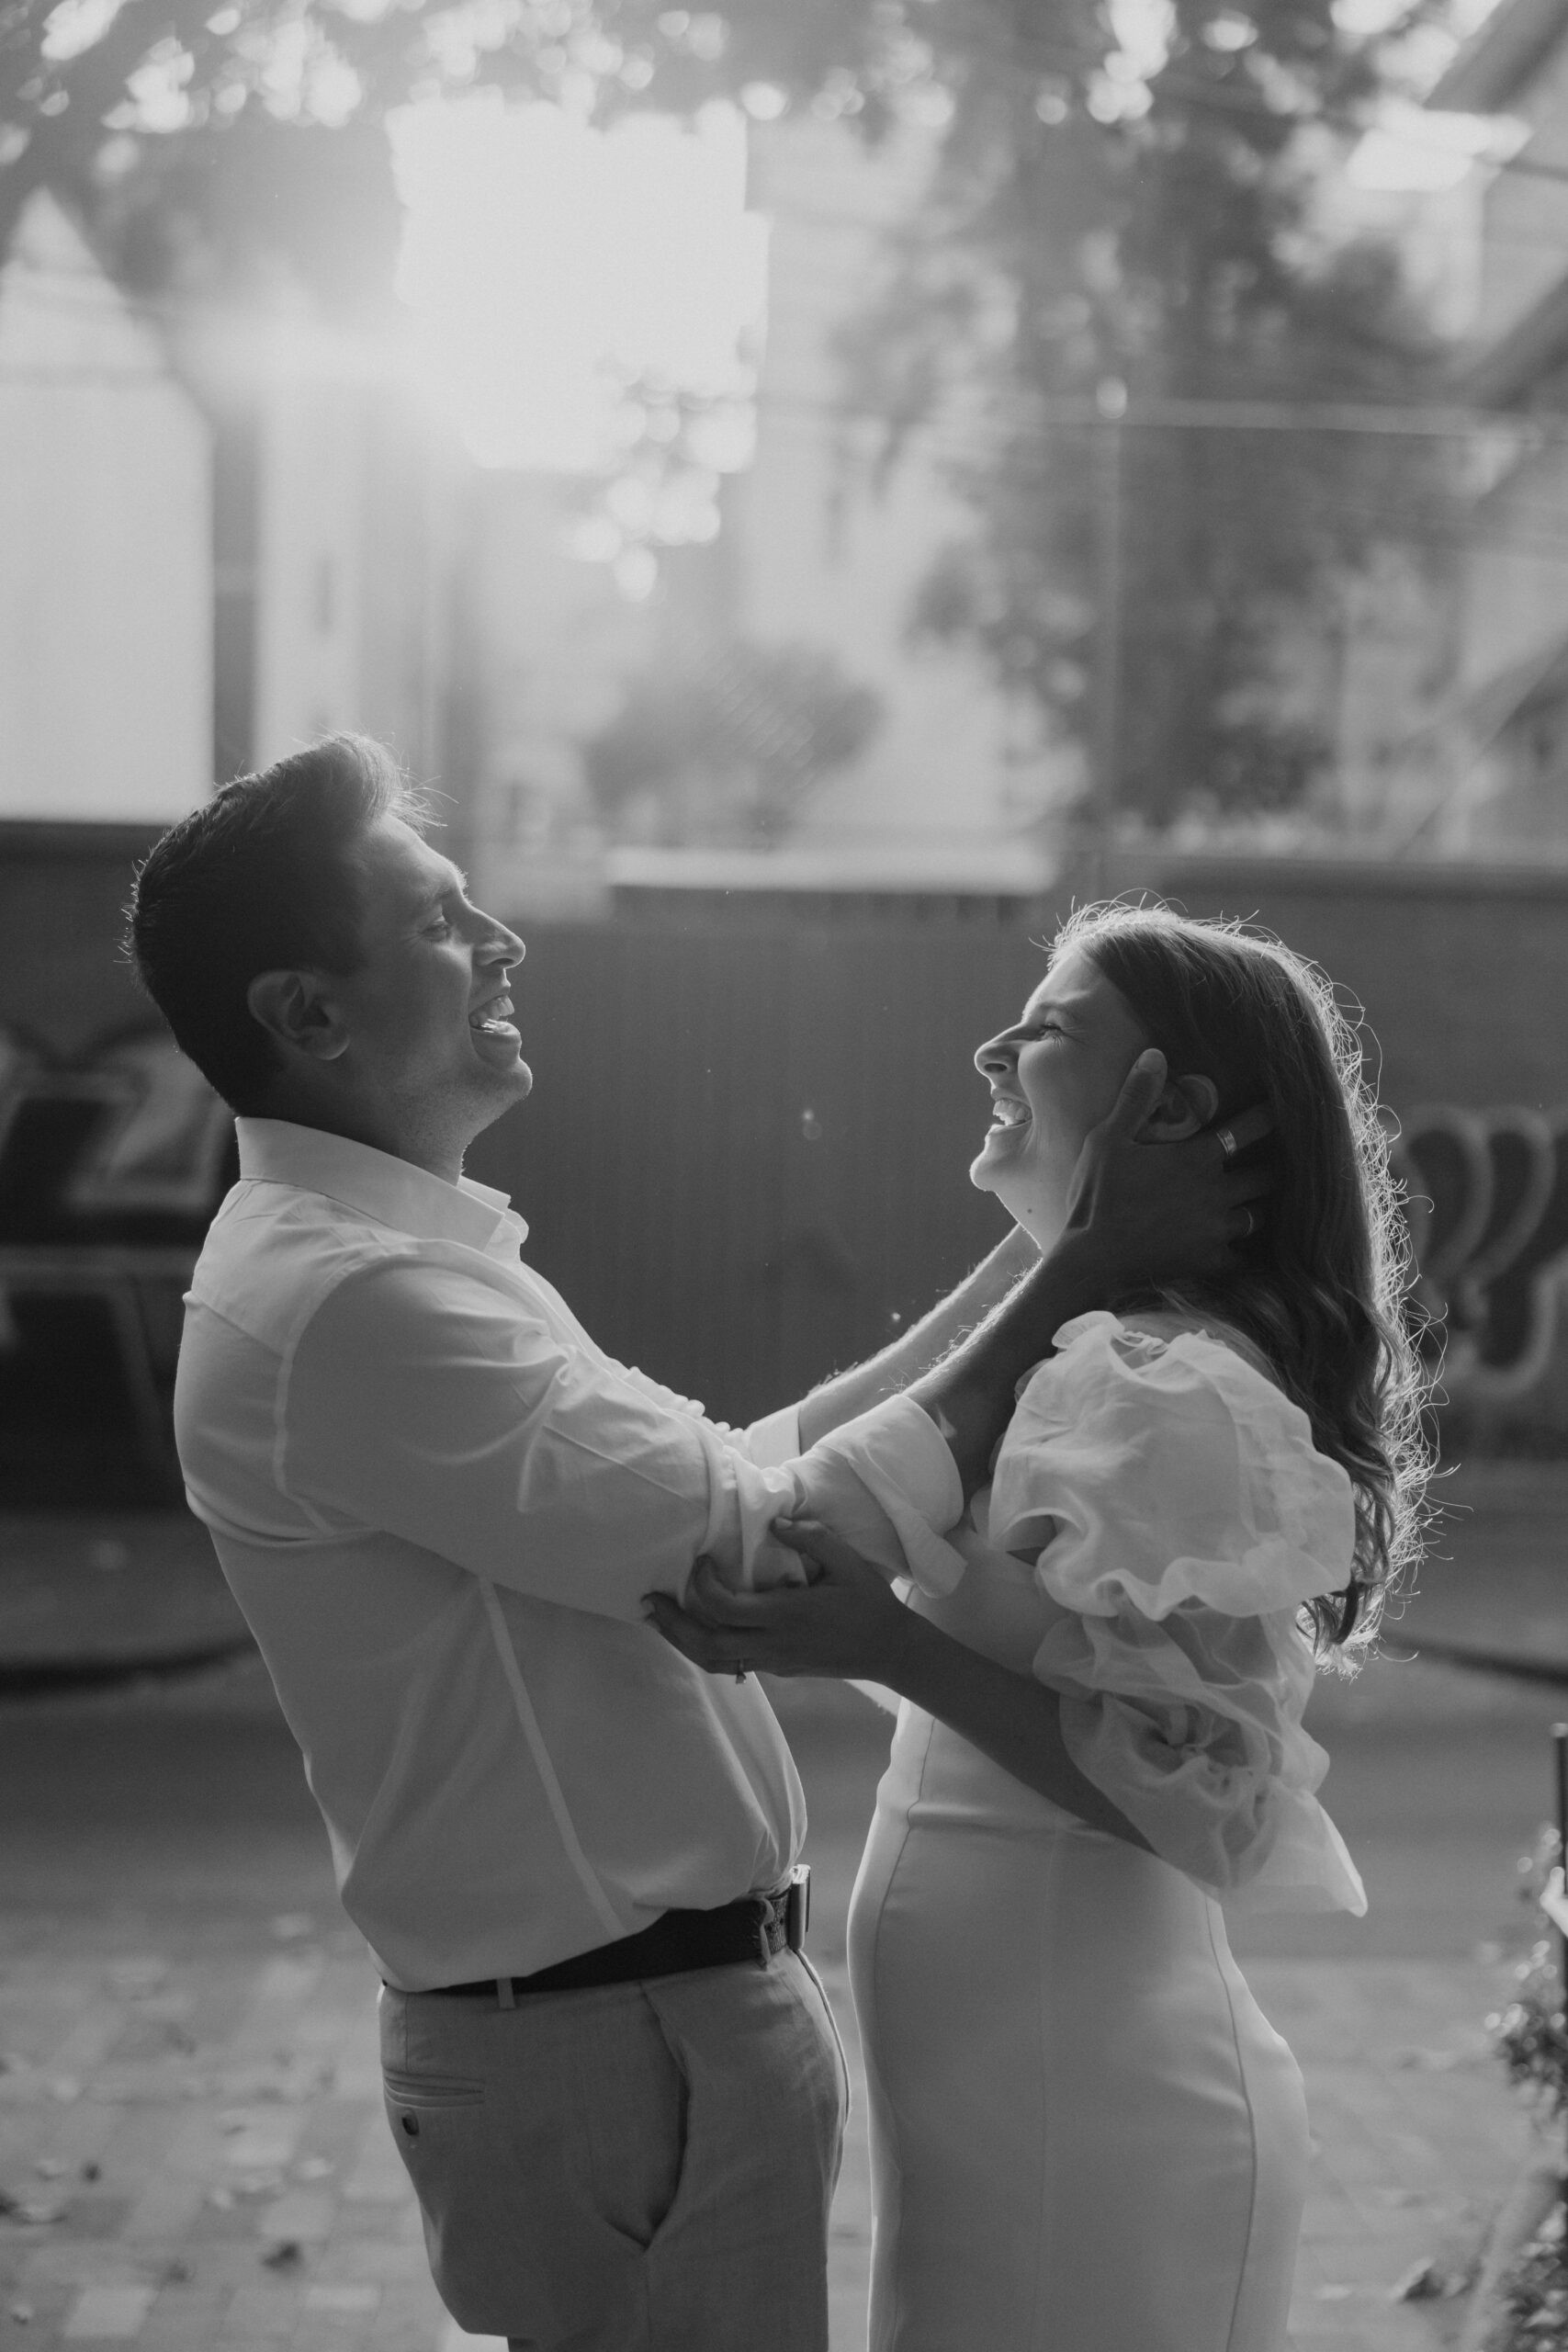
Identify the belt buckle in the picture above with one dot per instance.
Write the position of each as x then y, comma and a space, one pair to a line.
797, 1906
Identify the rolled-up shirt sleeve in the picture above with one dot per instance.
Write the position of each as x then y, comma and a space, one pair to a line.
422, 1402
425, 1404
887, 1483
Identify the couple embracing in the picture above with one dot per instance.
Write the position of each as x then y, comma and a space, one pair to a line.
1097, 1520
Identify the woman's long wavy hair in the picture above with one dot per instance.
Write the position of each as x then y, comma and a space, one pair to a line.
1322, 1290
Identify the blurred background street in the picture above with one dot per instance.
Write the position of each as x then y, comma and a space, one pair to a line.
192, 2147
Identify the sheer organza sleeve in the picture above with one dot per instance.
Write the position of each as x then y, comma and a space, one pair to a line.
1178, 1515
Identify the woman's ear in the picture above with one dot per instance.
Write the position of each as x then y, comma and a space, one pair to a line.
1185, 1106
295, 1009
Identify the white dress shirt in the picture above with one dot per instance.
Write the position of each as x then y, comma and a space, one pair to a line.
439, 1506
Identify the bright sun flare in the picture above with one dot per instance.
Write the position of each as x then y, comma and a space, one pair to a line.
543, 259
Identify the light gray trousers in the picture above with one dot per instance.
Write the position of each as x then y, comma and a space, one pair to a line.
641, 2168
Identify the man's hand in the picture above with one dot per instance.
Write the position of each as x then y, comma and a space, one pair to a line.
847, 1621
1154, 1212
1140, 1212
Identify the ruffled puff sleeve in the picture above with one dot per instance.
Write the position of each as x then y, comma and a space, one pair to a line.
1179, 1516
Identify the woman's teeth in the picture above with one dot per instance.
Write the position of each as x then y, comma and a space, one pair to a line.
1005, 1112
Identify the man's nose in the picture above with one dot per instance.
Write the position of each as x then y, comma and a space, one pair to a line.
502, 946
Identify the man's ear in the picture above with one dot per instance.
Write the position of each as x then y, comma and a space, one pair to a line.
1185, 1106
295, 1008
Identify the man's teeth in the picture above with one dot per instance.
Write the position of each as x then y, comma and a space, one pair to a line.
494, 1015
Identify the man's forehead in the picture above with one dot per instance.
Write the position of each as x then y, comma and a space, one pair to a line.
402, 867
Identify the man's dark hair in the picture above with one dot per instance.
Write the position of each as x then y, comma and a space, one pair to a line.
262, 877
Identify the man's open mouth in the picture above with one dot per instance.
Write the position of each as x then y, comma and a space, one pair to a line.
492, 1018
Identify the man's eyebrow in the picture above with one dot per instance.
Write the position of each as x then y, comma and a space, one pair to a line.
455, 884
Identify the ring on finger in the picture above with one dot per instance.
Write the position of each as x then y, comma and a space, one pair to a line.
1227, 1143
1250, 1227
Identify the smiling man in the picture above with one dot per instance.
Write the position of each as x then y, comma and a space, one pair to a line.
609, 2066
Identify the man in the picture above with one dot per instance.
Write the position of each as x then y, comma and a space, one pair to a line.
609, 2068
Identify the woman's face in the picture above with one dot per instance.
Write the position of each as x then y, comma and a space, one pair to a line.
1053, 1077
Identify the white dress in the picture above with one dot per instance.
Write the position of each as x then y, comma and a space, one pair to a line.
1085, 2136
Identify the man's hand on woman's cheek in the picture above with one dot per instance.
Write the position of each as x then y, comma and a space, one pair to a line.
1160, 1210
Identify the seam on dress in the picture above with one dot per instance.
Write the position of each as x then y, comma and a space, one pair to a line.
895, 2268
1048, 1904
1251, 2126
554, 1794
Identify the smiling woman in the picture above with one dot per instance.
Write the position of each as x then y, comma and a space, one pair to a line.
1054, 1075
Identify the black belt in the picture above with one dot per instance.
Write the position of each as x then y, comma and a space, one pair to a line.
755, 1928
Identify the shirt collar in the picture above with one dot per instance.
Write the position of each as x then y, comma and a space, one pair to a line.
393, 1192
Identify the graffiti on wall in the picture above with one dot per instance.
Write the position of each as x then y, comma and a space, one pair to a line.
110, 1169
1487, 1194
111, 1165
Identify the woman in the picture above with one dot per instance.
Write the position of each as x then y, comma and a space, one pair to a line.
1085, 2134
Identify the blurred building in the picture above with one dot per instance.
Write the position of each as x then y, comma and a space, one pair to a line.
338, 509
547, 641
224, 530
1507, 753
952, 786
106, 543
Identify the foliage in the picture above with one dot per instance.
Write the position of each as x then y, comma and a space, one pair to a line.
1531, 2037
75, 70
725, 749
1120, 195
1532, 2032
1534, 2296
1099, 235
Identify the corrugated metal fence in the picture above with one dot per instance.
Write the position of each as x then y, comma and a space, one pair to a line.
744, 1159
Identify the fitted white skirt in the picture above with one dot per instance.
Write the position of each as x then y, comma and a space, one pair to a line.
1085, 2136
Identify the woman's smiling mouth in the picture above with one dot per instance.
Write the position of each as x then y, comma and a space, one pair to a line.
1006, 1111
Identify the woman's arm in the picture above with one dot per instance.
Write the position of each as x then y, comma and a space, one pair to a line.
923, 1346
1010, 1717
847, 1623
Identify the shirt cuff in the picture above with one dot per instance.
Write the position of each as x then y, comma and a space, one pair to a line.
775, 1439
890, 1468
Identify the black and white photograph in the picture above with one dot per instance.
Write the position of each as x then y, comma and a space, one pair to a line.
784, 1176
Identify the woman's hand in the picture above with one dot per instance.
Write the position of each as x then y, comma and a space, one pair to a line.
847, 1623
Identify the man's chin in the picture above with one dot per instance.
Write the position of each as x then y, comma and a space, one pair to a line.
502, 1087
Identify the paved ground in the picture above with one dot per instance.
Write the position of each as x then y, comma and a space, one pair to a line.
192, 2155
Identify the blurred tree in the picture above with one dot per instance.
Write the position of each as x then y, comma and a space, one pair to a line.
75, 73
1122, 200
725, 750
1097, 254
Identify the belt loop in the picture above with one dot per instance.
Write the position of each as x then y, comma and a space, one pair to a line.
764, 1921
505, 1997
